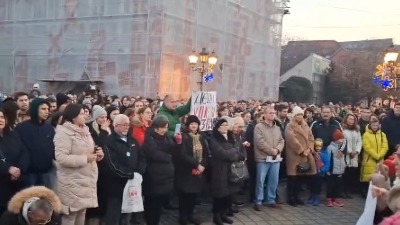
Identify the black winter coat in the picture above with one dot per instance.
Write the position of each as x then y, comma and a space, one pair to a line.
99, 140
390, 126
224, 153
12, 153
159, 174
249, 137
38, 140
185, 181
9, 218
323, 130
122, 160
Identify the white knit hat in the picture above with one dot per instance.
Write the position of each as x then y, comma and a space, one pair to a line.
98, 111
297, 110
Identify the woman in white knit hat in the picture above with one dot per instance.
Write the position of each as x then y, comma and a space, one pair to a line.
299, 154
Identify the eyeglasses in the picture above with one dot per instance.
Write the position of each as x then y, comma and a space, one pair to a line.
149, 112
123, 125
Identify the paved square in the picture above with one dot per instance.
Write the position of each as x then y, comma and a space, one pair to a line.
309, 215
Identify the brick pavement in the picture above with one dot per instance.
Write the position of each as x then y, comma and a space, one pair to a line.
307, 215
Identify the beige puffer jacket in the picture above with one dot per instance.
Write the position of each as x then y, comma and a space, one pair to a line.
76, 178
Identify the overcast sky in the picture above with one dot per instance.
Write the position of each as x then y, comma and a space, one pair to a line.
343, 20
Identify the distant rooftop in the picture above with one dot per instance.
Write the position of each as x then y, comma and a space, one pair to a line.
296, 51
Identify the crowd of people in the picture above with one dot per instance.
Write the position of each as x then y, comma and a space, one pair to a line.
66, 159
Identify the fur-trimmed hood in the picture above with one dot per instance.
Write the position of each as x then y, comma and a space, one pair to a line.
18, 200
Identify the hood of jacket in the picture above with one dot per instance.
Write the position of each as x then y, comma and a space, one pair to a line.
17, 201
34, 108
368, 130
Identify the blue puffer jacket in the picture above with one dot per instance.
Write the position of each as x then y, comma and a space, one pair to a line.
326, 160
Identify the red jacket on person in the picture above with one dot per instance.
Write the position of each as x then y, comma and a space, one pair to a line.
139, 129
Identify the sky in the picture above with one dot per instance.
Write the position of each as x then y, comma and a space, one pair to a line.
343, 20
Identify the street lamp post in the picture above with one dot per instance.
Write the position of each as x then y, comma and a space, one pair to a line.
207, 64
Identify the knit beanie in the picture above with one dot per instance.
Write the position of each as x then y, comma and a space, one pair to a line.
297, 110
192, 119
337, 135
98, 111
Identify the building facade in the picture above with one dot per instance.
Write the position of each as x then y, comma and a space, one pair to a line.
140, 47
314, 68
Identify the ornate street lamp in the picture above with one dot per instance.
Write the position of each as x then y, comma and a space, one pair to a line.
207, 64
387, 74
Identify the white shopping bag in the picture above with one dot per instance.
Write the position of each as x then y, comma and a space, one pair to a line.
367, 218
132, 200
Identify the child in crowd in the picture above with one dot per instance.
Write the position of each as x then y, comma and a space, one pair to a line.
316, 186
335, 170
318, 143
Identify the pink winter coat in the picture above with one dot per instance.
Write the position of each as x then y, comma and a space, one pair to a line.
76, 178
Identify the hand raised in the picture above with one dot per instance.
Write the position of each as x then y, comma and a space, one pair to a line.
105, 125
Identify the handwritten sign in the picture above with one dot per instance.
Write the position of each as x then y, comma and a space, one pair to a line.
204, 106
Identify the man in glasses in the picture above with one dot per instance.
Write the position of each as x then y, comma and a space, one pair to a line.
34, 206
123, 157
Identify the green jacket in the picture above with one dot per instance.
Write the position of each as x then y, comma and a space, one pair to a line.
174, 115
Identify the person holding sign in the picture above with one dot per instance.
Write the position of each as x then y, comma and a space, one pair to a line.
190, 168
173, 113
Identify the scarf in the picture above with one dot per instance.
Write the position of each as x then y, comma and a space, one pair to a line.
96, 128
197, 153
82, 131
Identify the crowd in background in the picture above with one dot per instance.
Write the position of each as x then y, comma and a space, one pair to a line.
85, 148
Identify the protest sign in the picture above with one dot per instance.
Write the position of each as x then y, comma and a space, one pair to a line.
204, 106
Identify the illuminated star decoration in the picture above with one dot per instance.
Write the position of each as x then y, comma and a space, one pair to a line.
386, 83
377, 80
208, 78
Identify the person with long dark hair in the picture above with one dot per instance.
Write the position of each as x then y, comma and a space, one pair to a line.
14, 161
10, 112
76, 157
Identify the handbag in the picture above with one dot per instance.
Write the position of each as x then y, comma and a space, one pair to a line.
303, 167
238, 172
